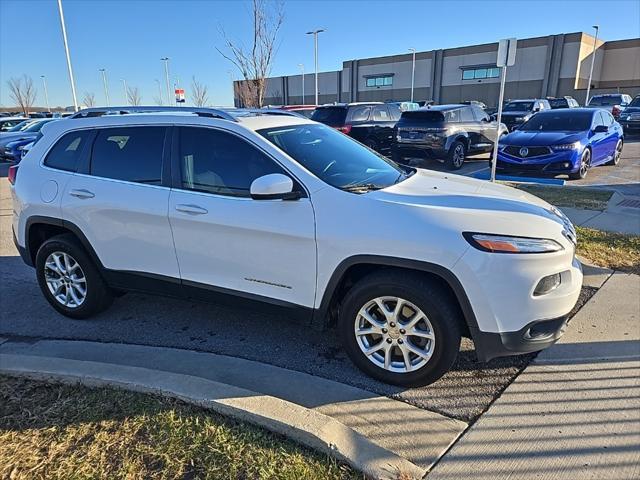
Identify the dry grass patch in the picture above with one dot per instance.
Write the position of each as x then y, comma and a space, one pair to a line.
68, 432
575, 197
612, 250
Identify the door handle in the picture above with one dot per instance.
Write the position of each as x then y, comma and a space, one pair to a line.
81, 193
191, 209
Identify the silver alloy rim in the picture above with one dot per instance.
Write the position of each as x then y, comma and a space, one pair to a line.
65, 279
458, 155
394, 334
618, 152
584, 165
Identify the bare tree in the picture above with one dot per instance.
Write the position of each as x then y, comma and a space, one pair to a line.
133, 96
89, 99
200, 95
254, 63
22, 92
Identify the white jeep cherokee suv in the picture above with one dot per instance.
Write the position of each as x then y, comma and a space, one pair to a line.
283, 212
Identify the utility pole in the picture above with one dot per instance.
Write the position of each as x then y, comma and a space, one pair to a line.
315, 49
46, 93
593, 59
166, 73
413, 70
126, 95
66, 49
104, 83
302, 69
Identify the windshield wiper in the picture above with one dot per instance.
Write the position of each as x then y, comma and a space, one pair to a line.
361, 187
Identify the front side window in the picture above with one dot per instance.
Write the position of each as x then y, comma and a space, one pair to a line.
452, 116
466, 115
65, 154
334, 158
218, 162
133, 154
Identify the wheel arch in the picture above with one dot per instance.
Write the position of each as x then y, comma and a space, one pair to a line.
353, 268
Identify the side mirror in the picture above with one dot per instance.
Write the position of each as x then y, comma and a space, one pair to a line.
537, 109
601, 129
274, 186
486, 119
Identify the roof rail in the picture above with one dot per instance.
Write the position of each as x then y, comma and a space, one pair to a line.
200, 111
251, 112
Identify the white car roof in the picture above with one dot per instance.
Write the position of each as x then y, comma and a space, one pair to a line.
4, 119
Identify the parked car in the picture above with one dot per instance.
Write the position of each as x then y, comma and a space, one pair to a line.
28, 131
369, 123
405, 106
615, 103
565, 141
288, 214
630, 119
516, 112
477, 103
444, 132
12, 151
563, 102
305, 110
8, 122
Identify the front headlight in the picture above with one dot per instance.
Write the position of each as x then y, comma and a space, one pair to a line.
508, 244
567, 146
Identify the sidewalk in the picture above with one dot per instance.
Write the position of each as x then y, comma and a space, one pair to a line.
622, 215
574, 412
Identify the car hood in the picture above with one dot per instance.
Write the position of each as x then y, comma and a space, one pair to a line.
540, 139
632, 110
8, 137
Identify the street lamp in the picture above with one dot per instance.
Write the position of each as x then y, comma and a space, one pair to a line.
66, 49
413, 70
104, 83
166, 73
593, 59
302, 69
159, 92
46, 93
126, 97
315, 49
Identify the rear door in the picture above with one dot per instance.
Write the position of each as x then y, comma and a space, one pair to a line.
360, 124
468, 123
383, 127
119, 200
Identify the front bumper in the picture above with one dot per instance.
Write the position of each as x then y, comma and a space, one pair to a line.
556, 163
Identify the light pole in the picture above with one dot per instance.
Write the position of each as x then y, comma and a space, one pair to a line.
302, 69
593, 59
66, 49
166, 73
413, 70
46, 93
315, 49
159, 92
104, 83
126, 96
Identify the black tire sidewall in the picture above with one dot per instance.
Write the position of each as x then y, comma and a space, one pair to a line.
434, 303
449, 160
98, 294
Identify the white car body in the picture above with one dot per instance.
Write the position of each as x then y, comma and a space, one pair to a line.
293, 252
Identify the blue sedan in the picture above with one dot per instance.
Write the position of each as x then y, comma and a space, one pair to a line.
566, 141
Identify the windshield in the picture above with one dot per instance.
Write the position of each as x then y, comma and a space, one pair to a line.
558, 122
334, 116
605, 101
635, 102
559, 102
518, 107
36, 126
17, 127
334, 157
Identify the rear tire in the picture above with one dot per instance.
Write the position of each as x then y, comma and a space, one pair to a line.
585, 164
372, 144
617, 153
69, 279
455, 156
414, 292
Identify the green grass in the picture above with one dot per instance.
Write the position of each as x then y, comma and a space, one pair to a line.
575, 197
612, 250
72, 432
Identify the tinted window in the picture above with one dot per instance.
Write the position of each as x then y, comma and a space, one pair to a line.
395, 111
635, 102
518, 107
609, 100
380, 114
218, 162
607, 118
359, 114
559, 103
558, 121
466, 115
37, 126
424, 115
65, 154
131, 154
480, 114
334, 116
452, 116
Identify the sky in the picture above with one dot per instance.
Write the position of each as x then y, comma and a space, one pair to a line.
128, 37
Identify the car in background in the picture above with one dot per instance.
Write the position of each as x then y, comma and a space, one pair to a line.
563, 102
304, 110
516, 112
13, 151
370, 123
630, 118
445, 132
477, 103
29, 131
405, 106
564, 141
7, 123
615, 103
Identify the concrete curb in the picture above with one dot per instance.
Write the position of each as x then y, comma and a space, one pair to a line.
305, 426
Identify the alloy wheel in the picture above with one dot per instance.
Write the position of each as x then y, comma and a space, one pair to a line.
458, 155
618, 153
394, 334
584, 164
65, 279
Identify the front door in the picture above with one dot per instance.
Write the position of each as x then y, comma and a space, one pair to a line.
228, 242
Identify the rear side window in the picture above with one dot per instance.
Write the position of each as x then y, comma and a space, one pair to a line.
466, 115
333, 116
132, 154
395, 111
65, 154
380, 114
359, 114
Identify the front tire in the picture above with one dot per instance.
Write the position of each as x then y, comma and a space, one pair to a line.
455, 156
69, 279
585, 164
400, 329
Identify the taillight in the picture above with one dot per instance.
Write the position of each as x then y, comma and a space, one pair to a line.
345, 129
615, 111
13, 173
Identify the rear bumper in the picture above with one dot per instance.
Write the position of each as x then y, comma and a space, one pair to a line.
419, 150
21, 250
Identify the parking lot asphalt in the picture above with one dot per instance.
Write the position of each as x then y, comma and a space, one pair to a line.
464, 393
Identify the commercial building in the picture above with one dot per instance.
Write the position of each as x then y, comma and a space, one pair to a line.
554, 65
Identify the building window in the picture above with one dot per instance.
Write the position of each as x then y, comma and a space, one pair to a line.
381, 81
480, 73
